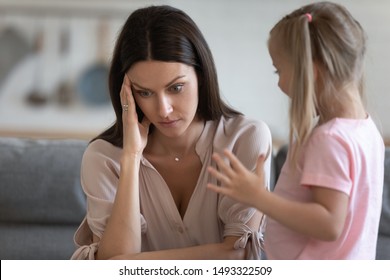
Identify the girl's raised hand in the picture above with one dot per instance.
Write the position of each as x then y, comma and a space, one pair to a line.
238, 182
135, 134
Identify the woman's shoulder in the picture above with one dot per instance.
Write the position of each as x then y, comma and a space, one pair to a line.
247, 138
100, 168
240, 131
101, 149
243, 124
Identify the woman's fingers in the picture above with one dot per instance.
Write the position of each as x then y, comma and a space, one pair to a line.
127, 100
123, 93
129, 93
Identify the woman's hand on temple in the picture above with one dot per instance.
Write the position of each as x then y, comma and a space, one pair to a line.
135, 134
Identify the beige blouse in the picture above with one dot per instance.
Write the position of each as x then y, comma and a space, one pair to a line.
209, 216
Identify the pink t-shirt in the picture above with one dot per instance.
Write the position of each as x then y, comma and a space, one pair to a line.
345, 155
208, 218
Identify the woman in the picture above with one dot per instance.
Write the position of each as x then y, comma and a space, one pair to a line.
145, 177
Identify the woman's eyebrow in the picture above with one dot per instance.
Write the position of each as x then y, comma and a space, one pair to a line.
141, 87
167, 85
171, 82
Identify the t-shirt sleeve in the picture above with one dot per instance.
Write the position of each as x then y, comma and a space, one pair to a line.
247, 140
326, 163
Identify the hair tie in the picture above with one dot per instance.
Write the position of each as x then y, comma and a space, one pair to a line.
309, 17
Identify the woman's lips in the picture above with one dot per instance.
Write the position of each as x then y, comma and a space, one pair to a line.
169, 123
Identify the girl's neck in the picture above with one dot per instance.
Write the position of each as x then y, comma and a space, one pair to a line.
351, 107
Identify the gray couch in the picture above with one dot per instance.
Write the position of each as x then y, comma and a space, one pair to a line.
42, 204
41, 200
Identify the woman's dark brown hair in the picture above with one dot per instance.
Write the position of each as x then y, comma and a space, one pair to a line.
163, 33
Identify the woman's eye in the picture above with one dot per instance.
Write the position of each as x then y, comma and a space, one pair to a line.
144, 93
276, 72
177, 88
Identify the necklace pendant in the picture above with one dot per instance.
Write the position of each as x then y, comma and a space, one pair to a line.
177, 159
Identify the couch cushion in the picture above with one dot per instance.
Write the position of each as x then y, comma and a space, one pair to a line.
36, 242
40, 180
383, 247
384, 227
280, 158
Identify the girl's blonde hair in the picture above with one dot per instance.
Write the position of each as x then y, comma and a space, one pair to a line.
326, 35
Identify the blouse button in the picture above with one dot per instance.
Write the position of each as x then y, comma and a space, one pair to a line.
180, 229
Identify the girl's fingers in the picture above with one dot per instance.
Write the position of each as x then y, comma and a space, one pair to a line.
234, 161
217, 189
260, 165
223, 166
260, 162
218, 175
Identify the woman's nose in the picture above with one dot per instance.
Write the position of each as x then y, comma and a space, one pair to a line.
164, 106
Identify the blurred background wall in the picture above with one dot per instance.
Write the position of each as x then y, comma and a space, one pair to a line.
54, 57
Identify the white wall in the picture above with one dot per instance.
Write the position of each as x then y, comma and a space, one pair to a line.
237, 32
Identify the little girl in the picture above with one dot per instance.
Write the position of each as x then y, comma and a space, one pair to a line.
327, 201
